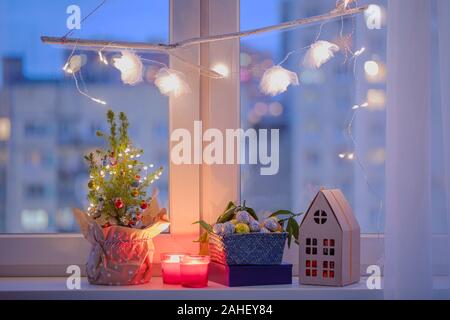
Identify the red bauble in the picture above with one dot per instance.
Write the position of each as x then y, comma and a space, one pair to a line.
144, 205
118, 203
137, 177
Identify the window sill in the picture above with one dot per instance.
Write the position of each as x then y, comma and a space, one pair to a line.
54, 288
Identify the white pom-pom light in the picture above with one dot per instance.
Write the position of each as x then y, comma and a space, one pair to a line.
171, 83
276, 80
75, 63
319, 53
130, 66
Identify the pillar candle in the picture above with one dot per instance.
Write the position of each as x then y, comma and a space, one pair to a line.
194, 271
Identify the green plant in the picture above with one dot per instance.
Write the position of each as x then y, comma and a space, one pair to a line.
286, 219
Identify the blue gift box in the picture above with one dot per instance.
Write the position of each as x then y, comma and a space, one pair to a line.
250, 275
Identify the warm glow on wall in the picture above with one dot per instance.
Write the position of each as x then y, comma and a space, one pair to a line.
5, 129
376, 99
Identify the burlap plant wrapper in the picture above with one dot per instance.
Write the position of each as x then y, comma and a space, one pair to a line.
121, 255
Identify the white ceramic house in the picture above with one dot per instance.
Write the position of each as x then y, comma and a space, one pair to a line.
329, 242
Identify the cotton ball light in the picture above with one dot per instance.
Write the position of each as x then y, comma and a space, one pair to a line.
170, 83
276, 80
74, 64
319, 53
130, 67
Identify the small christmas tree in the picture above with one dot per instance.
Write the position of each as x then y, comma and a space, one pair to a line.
118, 180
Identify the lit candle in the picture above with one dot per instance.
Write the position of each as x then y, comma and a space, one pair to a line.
170, 267
194, 271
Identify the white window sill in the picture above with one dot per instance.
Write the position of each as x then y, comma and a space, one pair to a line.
55, 288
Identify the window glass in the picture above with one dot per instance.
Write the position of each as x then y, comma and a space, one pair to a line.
46, 125
314, 117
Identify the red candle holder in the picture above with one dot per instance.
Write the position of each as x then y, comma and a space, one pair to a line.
170, 267
194, 271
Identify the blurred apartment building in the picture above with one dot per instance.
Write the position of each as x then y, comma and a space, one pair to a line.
45, 129
321, 108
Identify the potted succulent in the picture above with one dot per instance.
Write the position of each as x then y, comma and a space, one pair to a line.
239, 238
122, 218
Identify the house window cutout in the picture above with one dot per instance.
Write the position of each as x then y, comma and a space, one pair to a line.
328, 269
320, 217
311, 268
311, 246
328, 247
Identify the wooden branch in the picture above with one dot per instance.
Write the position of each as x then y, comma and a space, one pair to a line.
282, 26
141, 46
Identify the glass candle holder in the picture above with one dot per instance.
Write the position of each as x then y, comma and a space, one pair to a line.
194, 271
170, 267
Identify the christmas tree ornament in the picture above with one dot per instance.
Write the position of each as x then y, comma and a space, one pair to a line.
135, 193
144, 205
118, 203
137, 177
91, 184
135, 184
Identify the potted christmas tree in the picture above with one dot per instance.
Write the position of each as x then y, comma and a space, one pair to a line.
122, 218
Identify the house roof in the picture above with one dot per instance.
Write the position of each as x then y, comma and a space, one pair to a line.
340, 207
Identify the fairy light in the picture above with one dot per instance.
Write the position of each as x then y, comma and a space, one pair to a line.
130, 67
170, 83
145, 168
359, 52
102, 58
99, 101
151, 165
102, 173
276, 80
319, 53
371, 68
130, 166
221, 69
96, 100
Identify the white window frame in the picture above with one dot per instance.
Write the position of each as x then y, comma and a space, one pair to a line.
195, 191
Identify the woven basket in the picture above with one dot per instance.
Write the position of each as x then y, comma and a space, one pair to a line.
249, 248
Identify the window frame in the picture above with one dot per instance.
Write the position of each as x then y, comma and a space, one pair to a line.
195, 191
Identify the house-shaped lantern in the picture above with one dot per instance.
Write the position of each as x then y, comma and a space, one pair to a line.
329, 242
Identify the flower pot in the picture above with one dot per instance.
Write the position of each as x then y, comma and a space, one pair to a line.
123, 257
119, 255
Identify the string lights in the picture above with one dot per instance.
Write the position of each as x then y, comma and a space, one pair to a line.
319, 53
276, 80
170, 83
130, 67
